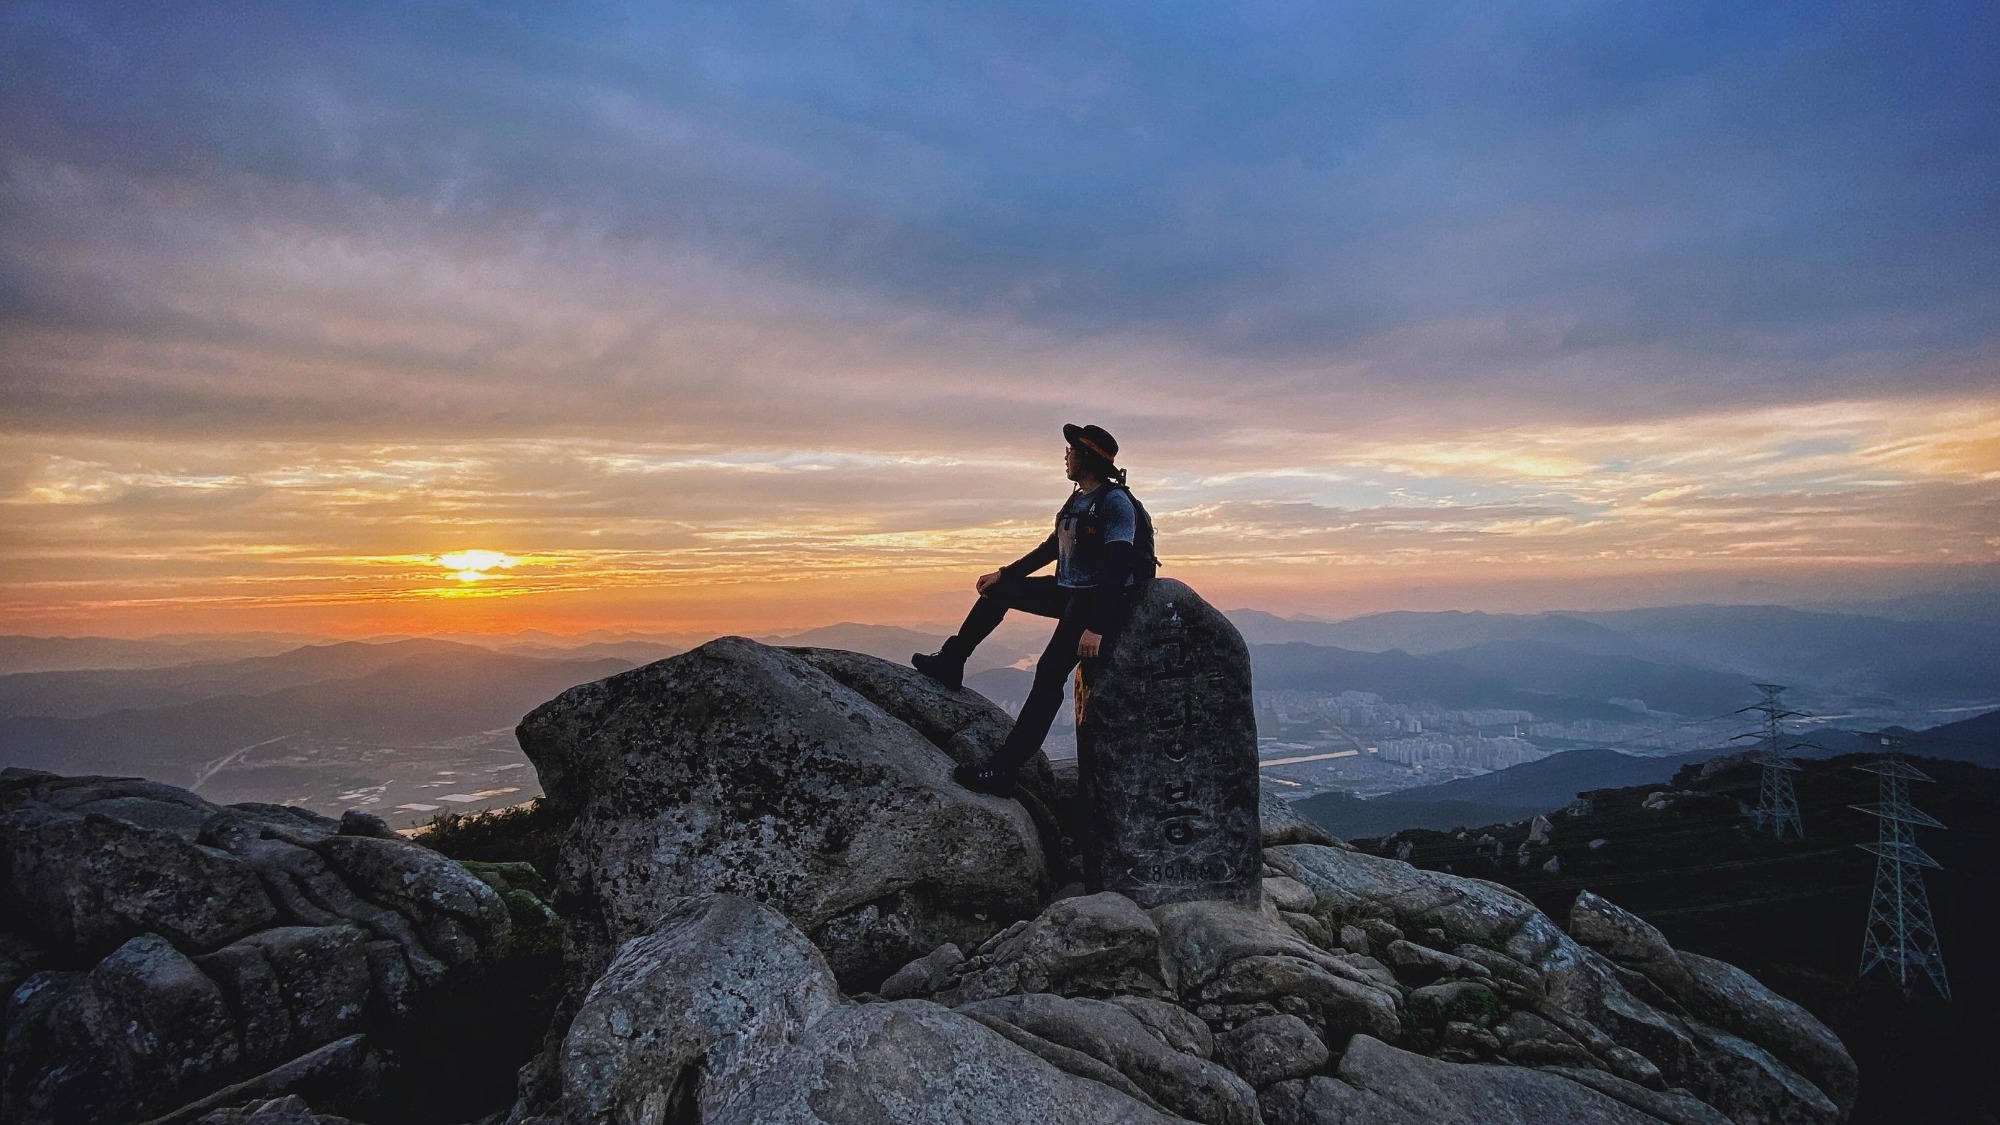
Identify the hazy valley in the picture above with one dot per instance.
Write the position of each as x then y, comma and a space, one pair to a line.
1433, 712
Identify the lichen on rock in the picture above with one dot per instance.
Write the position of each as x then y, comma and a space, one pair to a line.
745, 769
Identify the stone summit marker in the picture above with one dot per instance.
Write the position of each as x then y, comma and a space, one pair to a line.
1167, 757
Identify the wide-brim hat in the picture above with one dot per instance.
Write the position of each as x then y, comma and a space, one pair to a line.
1095, 439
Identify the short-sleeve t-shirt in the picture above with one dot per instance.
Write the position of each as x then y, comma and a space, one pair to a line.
1079, 569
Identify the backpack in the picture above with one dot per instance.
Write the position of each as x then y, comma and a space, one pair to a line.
1145, 562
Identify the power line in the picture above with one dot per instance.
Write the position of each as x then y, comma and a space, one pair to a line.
1901, 933
1777, 801
1758, 900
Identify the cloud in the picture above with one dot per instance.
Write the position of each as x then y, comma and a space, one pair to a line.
776, 289
107, 522
1622, 211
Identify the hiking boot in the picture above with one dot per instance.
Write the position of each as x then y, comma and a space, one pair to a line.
940, 666
985, 778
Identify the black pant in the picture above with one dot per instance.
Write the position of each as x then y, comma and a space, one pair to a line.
1043, 598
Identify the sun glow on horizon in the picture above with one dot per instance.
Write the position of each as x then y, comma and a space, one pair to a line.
304, 536
472, 566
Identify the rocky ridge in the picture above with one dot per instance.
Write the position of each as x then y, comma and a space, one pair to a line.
1356, 989
162, 952
782, 910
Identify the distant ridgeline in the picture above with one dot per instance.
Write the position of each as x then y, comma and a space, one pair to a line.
399, 725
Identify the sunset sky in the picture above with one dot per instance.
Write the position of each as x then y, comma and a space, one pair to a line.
756, 316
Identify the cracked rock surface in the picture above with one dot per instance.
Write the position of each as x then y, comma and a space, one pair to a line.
158, 948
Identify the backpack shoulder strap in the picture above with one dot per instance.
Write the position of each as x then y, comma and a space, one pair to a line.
1142, 524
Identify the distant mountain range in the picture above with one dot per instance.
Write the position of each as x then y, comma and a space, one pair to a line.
84, 703
1498, 797
76, 695
1549, 680
398, 694
1975, 740
1930, 659
1415, 632
48, 654
889, 642
1551, 782
1812, 651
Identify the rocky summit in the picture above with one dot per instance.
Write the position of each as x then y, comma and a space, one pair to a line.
785, 776
778, 908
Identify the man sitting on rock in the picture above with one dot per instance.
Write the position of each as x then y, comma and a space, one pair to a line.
1095, 556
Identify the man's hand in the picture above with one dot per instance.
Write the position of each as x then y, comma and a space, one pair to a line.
986, 582
1087, 645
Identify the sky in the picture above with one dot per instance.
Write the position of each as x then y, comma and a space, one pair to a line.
750, 316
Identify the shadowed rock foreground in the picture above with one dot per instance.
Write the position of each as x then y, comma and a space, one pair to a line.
162, 951
780, 909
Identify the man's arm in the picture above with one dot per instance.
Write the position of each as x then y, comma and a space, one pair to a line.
1121, 525
1043, 554
1027, 564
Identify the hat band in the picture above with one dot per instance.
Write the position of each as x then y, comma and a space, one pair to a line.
1093, 447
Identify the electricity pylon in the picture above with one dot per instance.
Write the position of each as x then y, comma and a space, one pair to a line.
1777, 801
1901, 933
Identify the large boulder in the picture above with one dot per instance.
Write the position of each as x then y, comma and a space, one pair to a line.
1099, 945
295, 987
1589, 996
1627, 939
1219, 954
1170, 1024
1748, 1083
137, 1035
455, 912
964, 724
1736, 1002
1432, 1090
1353, 883
914, 1063
1271, 1049
1184, 1083
163, 951
721, 982
726, 1013
746, 769
90, 881
1721, 995
1168, 752
1329, 1101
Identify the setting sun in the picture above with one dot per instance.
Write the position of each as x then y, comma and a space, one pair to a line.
471, 566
